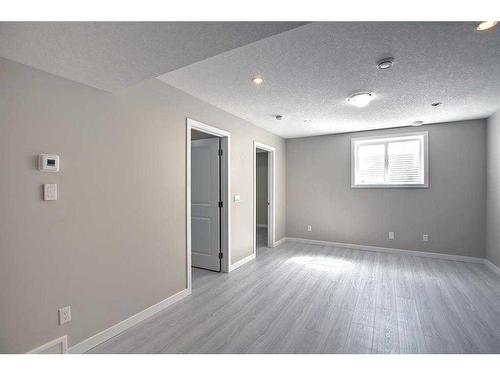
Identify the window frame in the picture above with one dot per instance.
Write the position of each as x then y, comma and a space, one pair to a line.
375, 139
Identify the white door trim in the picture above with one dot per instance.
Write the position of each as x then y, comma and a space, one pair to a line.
271, 183
226, 193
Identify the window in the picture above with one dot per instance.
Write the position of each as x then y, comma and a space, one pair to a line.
398, 160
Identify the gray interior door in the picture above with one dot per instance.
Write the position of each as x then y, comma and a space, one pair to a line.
205, 211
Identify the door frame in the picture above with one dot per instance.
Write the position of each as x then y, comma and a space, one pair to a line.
271, 193
225, 219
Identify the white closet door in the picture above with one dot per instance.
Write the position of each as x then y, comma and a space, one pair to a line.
205, 211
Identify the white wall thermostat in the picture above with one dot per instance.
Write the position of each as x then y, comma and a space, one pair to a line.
49, 192
48, 162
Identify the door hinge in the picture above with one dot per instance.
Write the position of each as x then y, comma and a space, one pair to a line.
219, 152
221, 255
220, 204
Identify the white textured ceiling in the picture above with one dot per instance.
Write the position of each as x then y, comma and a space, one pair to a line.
310, 70
113, 55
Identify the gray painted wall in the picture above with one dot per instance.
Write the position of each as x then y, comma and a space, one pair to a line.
451, 211
114, 243
493, 190
261, 188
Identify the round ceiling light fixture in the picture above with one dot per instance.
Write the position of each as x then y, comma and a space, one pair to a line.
279, 117
257, 80
417, 123
436, 104
486, 25
361, 99
307, 122
385, 63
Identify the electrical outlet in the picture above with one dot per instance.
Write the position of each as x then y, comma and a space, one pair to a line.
64, 315
425, 237
309, 228
391, 235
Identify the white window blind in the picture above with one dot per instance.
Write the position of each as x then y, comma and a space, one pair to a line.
395, 161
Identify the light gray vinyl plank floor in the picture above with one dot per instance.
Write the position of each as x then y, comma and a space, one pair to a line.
300, 298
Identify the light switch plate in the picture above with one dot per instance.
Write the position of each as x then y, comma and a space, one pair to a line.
237, 198
391, 235
64, 315
49, 192
425, 237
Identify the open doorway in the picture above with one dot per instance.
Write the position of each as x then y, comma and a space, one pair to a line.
261, 198
264, 169
207, 198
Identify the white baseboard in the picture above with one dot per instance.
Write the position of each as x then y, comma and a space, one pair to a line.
241, 262
61, 343
425, 254
261, 225
279, 242
118, 328
492, 267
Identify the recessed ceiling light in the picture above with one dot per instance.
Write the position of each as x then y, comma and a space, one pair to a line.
279, 117
258, 80
307, 121
486, 25
361, 99
417, 123
435, 104
385, 63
